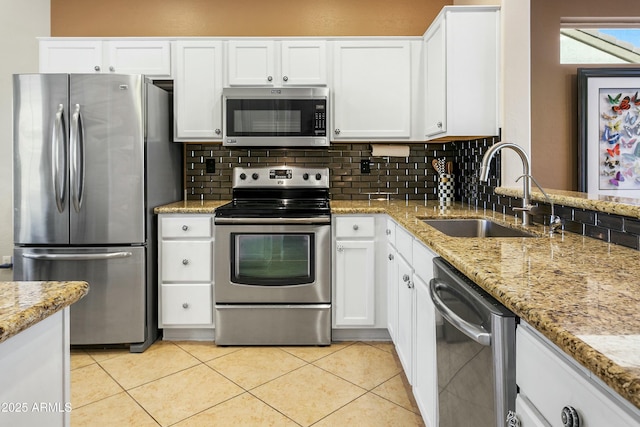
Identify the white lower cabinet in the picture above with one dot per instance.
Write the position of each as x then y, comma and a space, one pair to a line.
411, 315
36, 383
186, 276
359, 297
355, 287
404, 334
425, 381
551, 383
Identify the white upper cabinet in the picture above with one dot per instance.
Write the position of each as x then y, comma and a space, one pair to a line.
372, 90
462, 63
149, 57
198, 90
264, 62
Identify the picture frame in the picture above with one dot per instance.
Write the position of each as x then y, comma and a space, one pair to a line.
609, 131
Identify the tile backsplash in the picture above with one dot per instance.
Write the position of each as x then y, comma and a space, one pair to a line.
406, 178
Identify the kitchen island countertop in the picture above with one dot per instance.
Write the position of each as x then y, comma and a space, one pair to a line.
581, 293
23, 304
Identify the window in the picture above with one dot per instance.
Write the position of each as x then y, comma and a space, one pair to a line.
599, 45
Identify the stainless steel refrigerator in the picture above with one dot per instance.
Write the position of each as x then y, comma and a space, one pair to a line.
92, 157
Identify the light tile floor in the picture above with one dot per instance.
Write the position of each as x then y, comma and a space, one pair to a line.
199, 384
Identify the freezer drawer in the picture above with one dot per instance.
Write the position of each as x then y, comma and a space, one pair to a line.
113, 312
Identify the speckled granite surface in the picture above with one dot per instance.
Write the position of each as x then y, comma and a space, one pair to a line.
23, 304
582, 293
625, 206
190, 206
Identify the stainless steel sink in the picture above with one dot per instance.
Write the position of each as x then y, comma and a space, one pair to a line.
474, 227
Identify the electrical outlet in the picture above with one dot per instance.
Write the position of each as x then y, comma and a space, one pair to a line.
365, 166
210, 165
6, 259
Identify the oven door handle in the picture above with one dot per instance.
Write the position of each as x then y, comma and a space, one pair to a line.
285, 221
475, 332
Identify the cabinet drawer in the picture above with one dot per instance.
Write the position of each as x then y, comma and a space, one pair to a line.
422, 261
550, 382
187, 261
355, 226
404, 244
186, 226
187, 304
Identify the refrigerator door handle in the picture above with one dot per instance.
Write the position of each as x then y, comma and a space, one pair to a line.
77, 159
58, 172
78, 256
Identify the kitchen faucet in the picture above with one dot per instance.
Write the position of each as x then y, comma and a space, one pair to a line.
554, 220
526, 182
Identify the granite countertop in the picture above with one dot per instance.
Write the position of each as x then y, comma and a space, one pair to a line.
581, 293
23, 304
625, 206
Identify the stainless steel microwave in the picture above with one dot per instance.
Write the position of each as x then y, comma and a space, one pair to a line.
275, 117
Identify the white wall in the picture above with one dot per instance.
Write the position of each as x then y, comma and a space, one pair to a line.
516, 92
20, 23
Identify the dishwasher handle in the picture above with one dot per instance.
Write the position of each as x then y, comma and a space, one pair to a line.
475, 332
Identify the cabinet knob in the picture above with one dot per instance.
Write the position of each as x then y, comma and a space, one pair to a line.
439, 124
390, 257
570, 417
269, 78
512, 419
405, 277
185, 261
112, 68
285, 78
355, 227
218, 131
185, 305
185, 227
96, 68
388, 232
340, 248
337, 131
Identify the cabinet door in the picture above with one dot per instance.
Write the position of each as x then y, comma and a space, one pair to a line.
76, 56
392, 292
304, 63
198, 91
404, 341
436, 79
425, 388
354, 283
372, 90
152, 58
251, 63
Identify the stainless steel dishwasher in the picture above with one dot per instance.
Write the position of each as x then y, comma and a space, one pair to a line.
475, 342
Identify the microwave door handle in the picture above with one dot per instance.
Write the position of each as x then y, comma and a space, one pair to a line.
475, 332
58, 171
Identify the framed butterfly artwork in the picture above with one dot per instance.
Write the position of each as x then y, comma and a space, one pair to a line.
609, 131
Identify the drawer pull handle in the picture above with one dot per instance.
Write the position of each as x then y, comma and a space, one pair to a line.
185, 261
185, 227
355, 227
185, 305
570, 417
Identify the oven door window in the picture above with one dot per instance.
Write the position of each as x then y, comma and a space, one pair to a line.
268, 259
273, 117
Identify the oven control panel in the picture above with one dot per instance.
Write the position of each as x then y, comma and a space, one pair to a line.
280, 176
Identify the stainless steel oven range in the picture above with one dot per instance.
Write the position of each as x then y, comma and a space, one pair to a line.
273, 259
